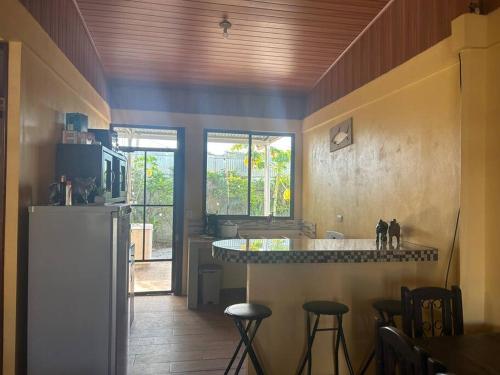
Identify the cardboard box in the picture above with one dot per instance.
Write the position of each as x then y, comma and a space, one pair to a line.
74, 137
70, 137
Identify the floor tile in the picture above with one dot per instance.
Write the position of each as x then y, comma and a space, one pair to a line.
210, 364
168, 338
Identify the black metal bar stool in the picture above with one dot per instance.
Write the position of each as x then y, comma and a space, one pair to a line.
387, 309
253, 314
319, 308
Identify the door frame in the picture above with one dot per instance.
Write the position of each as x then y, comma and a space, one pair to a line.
178, 220
4, 63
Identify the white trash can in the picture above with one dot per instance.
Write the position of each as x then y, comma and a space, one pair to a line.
210, 283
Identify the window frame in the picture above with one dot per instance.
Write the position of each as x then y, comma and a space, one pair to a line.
250, 133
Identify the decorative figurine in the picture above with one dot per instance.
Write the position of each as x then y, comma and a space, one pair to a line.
394, 231
381, 231
54, 194
82, 189
475, 7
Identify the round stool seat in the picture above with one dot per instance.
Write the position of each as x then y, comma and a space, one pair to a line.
389, 306
253, 314
325, 307
248, 311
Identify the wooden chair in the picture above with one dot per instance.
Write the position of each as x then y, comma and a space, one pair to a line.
396, 354
434, 367
387, 309
432, 311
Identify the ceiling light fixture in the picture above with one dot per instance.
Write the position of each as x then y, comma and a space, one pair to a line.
225, 25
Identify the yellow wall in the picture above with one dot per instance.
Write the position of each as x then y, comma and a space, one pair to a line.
11, 209
477, 40
423, 147
467, 34
43, 85
492, 292
194, 126
16, 24
405, 160
45, 99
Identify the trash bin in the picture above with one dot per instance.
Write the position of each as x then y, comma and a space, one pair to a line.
210, 283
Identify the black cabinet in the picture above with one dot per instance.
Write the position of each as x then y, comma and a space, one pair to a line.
108, 167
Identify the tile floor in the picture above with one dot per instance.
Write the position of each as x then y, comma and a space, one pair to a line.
167, 338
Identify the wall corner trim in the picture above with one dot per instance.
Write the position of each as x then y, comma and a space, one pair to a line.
469, 31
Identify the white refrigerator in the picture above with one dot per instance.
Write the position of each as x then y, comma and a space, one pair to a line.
78, 292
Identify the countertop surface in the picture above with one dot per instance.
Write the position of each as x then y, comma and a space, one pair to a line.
318, 251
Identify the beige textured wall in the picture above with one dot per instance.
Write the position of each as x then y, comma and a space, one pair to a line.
194, 126
43, 84
405, 160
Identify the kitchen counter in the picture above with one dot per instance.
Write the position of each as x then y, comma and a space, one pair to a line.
234, 273
283, 274
318, 251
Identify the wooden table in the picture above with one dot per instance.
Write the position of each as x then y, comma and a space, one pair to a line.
468, 354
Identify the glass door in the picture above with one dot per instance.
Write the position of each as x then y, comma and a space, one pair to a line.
152, 220
155, 193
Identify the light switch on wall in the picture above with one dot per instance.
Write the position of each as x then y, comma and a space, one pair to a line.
340, 218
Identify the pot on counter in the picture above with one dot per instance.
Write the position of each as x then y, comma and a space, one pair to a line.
228, 229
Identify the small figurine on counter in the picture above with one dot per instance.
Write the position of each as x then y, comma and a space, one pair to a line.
55, 194
83, 188
394, 231
381, 231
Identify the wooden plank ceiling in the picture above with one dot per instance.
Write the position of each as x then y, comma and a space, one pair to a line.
281, 44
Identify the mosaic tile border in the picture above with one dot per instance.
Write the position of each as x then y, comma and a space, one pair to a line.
368, 256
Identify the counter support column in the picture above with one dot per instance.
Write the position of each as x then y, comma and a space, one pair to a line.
282, 339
